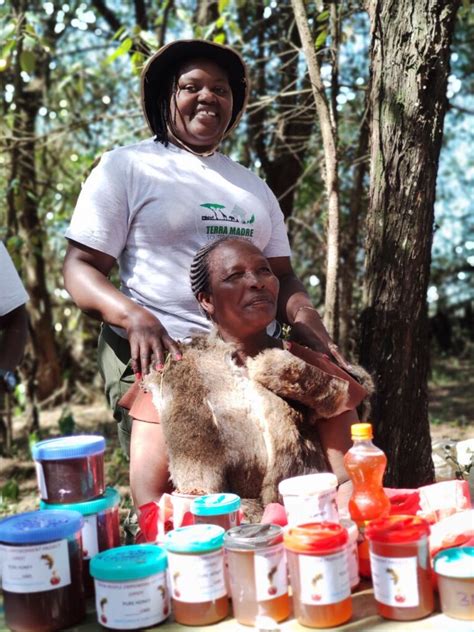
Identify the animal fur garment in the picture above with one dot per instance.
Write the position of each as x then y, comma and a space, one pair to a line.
232, 430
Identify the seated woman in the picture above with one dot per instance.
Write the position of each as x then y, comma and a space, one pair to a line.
242, 410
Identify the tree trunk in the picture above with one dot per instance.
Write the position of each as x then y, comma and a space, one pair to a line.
330, 162
409, 70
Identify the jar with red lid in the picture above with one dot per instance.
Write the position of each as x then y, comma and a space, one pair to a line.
400, 563
319, 574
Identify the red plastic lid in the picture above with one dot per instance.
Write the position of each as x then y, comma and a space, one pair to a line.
397, 529
317, 538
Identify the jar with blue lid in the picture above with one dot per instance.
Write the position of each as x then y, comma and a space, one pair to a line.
41, 555
454, 570
196, 573
222, 510
101, 530
70, 469
130, 586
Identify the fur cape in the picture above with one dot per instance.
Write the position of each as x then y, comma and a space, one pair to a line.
243, 430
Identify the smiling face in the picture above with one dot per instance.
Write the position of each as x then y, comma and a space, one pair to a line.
201, 107
243, 291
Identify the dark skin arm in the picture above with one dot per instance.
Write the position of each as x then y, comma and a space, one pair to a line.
86, 273
13, 333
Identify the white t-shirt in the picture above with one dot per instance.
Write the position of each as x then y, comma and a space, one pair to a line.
12, 292
152, 207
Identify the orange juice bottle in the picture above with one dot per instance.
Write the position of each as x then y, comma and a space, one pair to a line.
365, 464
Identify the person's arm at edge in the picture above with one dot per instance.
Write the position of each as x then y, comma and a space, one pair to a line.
13, 334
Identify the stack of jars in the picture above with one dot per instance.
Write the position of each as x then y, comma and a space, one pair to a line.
46, 553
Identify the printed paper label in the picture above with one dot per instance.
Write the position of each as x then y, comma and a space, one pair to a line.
41, 482
317, 507
36, 568
90, 541
132, 605
270, 573
197, 578
395, 580
324, 580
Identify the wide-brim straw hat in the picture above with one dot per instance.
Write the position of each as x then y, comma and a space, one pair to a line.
157, 70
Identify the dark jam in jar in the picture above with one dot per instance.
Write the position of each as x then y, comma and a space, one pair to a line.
42, 570
101, 530
70, 469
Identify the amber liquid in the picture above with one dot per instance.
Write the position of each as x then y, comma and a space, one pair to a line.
323, 616
202, 613
108, 537
423, 575
366, 464
49, 610
74, 480
244, 600
226, 521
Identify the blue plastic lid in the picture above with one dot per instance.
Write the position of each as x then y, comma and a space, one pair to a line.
457, 562
197, 538
40, 526
126, 563
215, 504
110, 498
68, 447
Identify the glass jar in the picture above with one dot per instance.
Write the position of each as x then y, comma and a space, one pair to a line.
101, 530
310, 498
455, 574
130, 586
400, 563
219, 509
41, 553
257, 572
196, 573
70, 469
352, 552
319, 575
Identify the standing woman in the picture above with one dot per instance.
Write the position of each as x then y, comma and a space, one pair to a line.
151, 205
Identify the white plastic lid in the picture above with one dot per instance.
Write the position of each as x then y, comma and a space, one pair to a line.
308, 484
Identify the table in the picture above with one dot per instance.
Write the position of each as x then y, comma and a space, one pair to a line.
364, 618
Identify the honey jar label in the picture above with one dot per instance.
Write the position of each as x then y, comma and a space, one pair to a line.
315, 507
90, 541
35, 568
134, 604
395, 580
324, 579
197, 578
270, 573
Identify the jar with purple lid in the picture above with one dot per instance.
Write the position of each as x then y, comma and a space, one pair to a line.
101, 530
70, 469
41, 555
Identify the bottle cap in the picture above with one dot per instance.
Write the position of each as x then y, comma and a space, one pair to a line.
215, 504
249, 537
73, 447
126, 563
110, 499
197, 538
397, 529
361, 431
456, 562
40, 526
316, 538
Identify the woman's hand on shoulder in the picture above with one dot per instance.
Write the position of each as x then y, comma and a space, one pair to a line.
149, 341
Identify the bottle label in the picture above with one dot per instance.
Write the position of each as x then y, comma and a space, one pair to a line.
315, 507
270, 573
41, 481
197, 578
134, 604
35, 568
395, 580
324, 579
90, 541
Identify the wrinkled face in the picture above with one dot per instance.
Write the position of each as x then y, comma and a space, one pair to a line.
243, 289
201, 108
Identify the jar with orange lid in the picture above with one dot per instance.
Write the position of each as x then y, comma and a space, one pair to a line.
196, 574
257, 571
319, 574
400, 563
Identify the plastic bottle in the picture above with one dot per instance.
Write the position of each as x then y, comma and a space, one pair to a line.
365, 464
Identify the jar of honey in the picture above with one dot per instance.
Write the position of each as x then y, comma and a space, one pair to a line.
400, 563
257, 572
70, 469
219, 509
196, 574
101, 530
319, 575
41, 555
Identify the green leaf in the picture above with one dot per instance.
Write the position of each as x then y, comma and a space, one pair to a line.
119, 33
123, 49
320, 40
222, 6
27, 61
220, 22
323, 16
10, 491
219, 38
